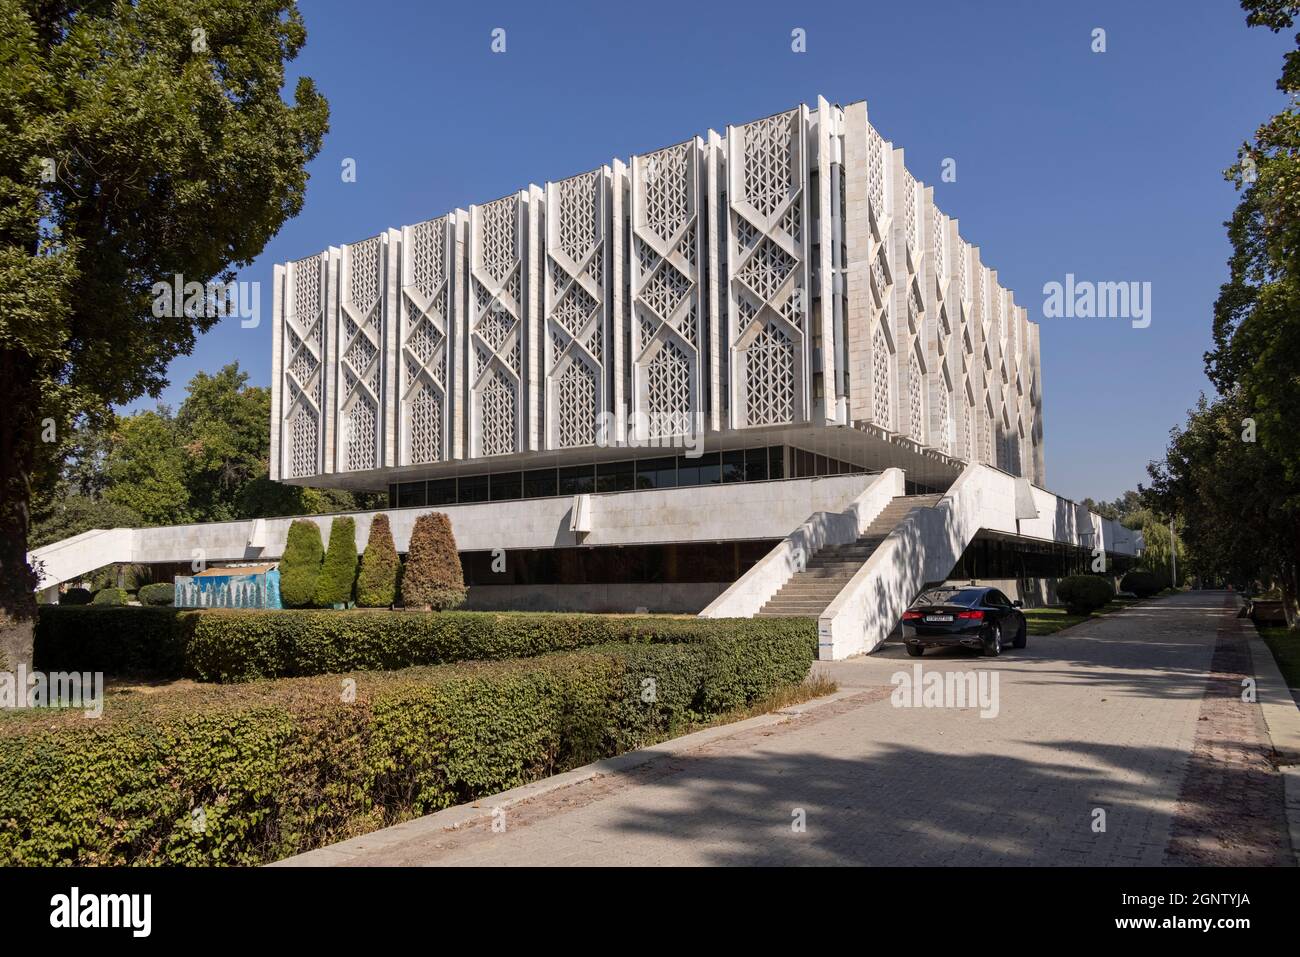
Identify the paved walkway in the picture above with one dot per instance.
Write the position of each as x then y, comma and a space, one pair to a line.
1122, 715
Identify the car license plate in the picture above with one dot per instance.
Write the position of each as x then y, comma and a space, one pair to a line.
938, 617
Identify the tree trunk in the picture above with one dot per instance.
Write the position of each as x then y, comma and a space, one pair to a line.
1287, 586
19, 432
1291, 576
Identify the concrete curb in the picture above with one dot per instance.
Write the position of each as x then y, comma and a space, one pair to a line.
345, 852
1280, 711
1282, 718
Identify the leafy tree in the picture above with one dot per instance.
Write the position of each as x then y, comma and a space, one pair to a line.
377, 580
339, 573
146, 469
213, 465
1104, 509
432, 577
138, 142
227, 444
71, 515
1236, 505
85, 458
1231, 473
300, 565
1119, 510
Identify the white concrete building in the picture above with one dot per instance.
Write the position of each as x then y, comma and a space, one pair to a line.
789, 275
670, 383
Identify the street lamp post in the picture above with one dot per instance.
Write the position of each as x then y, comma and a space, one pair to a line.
1173, 557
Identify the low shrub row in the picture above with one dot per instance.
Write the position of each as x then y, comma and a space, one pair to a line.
162, 593
1084, 594
313, 576
1143, 583
228, 645
246, 774
110, 596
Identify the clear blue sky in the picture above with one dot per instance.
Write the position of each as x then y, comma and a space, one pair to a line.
1108, 166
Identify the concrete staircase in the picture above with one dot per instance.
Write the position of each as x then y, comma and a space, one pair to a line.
808, 592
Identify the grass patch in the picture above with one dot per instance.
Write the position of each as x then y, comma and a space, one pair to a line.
815, 686
1285, 645
1048, 621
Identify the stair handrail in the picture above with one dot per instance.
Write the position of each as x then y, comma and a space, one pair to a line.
744, 597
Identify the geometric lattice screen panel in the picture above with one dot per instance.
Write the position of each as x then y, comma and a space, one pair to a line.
303, 349
667, 332
360, 346
680, 286
496, 326
769, 288
425, 349
577, 316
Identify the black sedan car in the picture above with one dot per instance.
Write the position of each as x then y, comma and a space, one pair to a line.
969, 616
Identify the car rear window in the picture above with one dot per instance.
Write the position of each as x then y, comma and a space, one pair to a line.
951, 596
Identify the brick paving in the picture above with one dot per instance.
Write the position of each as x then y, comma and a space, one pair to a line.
1231, 805
1113, 716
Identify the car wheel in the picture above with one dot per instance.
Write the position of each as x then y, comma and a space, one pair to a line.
993, 647
1022, 636
916, 651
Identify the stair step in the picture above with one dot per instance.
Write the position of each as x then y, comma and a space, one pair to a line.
808, 592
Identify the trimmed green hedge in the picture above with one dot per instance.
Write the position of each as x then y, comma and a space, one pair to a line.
228, 645
380, 567
300, 564
250, 773
162, 593
76, 596
338, 574
232, 645
1144, 583
110, 596
1084, 594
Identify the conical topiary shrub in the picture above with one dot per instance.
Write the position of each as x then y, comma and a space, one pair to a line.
432, 577
300, 564
339, 573
377, 580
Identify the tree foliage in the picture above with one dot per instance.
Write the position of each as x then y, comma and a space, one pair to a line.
339, 573
208, 462
1236, 506
139, 141
432, 577
377, 579
300, 565
1231, 473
